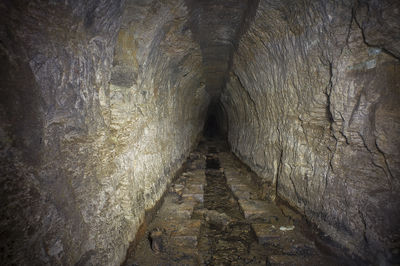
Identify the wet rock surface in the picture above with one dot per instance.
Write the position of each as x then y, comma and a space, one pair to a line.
215, 231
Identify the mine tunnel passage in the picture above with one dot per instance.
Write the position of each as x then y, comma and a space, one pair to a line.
109, 107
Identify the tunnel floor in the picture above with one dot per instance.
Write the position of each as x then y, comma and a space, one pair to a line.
214, 214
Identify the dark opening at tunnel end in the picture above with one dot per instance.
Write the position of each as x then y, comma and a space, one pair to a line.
211, 128
215, 125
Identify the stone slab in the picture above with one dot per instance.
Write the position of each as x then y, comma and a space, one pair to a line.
240, 191
195, 172
260, 210
186, 233
229, 172
265, 232
196, 181
193, 197
185, 209
234, 180
193, 189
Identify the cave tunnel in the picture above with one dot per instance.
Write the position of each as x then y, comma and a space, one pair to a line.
200, 132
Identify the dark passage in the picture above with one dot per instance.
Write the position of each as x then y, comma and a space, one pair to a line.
215, 126
211, 127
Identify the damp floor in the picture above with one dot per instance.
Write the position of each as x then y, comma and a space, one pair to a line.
215, 213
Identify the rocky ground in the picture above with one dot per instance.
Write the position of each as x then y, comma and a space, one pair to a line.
214, 214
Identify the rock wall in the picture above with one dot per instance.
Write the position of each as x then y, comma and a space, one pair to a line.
88, 142
313, 107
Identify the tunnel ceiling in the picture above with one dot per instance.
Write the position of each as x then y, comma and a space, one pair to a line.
216, 26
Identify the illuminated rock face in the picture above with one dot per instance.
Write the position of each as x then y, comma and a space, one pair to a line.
101, 102
91, 135
314, 109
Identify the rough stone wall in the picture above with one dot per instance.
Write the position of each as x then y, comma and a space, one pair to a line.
157, 100
81, 159
313, 107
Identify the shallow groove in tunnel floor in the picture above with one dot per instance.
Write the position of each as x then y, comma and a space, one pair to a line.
212, 149
213, 214
212, 163
226, 237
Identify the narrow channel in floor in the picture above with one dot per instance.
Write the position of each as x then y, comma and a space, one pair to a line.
227, 235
